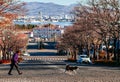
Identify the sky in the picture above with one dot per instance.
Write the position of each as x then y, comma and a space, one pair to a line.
61, 2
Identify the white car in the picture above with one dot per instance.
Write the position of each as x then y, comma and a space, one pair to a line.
26, 54
84, 59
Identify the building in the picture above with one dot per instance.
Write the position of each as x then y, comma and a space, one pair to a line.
47, 32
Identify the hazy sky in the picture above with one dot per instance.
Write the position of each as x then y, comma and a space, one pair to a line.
62, 2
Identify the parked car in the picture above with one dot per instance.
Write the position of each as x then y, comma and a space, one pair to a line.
84, 59
26, 54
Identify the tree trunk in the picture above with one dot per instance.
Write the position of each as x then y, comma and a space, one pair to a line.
88, 50
108, 57
4, 55
115, 49
94, 54
118, 56
75, 54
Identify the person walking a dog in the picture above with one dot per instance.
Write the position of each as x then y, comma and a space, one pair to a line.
14, 63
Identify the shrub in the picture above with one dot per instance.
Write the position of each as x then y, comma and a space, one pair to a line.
20, 59
5, 61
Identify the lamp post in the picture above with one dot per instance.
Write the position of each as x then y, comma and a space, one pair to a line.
8, 49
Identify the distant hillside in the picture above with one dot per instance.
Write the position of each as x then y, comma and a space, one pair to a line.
47, 8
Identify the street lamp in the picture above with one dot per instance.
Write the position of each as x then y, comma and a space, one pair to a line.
9, 50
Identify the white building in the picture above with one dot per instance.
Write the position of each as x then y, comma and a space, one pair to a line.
47, 32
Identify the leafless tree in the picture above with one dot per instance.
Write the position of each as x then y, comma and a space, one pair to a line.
97, 23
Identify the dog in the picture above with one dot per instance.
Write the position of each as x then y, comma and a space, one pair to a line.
70, 68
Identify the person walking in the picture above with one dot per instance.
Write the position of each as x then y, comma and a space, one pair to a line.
14, 62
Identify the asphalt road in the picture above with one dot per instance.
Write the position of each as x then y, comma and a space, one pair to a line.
54, 70
46, 71
49, 49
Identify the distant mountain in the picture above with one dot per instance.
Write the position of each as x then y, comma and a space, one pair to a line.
47, 8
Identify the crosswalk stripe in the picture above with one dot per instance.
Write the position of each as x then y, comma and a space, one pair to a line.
44, 58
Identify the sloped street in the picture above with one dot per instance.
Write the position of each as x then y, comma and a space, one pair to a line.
51, 68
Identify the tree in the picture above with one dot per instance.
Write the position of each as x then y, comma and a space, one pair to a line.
9, 41
107, 17
95, 24
12, 41
9, 10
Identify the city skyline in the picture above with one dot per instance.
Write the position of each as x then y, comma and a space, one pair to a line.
60, 2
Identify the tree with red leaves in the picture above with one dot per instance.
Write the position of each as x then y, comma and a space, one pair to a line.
9, 39
9, 10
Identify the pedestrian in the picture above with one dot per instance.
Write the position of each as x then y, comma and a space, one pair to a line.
14, 62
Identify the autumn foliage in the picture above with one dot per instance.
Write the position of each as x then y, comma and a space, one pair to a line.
12, 41
9, 10
10, 38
